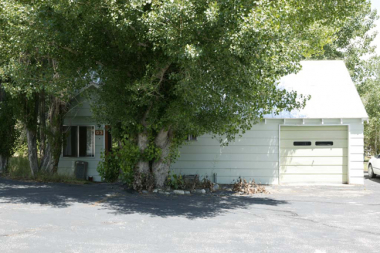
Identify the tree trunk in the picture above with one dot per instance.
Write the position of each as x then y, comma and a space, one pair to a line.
142, 142
42, 115
161, 166
31, 137
3, 163
55, 132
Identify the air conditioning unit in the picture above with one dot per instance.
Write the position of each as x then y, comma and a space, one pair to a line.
81, 170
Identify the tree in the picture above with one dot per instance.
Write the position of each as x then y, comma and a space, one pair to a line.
173, 68
34, 76
8, 132
352, 43
369, 91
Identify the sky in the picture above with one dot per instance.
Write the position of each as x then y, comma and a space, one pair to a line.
376, 5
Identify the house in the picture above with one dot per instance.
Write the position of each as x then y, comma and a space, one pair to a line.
322, 143
85, 140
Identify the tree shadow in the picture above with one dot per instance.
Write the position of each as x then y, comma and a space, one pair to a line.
116, 200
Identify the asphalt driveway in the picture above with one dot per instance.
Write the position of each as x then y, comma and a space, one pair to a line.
37, 217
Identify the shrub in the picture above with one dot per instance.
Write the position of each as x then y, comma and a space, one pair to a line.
108, 168
175, 181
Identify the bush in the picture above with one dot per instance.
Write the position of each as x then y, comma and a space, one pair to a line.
108, 168
176, 181
18, 168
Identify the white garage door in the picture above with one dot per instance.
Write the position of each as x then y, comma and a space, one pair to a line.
313, 154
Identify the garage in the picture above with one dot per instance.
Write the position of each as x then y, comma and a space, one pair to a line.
321, 143
313, 154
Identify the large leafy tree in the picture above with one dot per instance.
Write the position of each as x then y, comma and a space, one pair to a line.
353, 43
37, 78
369, 91
172, 68
8, 132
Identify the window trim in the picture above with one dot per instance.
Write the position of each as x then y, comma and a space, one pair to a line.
94, 139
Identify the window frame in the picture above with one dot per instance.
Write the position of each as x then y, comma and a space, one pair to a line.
77, 133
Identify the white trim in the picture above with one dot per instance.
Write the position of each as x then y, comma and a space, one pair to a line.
279, 153
348, 154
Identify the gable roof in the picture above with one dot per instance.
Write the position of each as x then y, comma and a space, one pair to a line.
333, 94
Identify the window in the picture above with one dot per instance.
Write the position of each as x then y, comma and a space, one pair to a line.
302, 143
324, 143
80, 141
191, 137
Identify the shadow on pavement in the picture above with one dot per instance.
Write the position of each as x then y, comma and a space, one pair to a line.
118, 201
375, 179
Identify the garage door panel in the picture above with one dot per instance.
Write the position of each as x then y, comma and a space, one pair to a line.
325, 135
312, 160
313, 169
290, 143
317, 179
313, 164
307, 151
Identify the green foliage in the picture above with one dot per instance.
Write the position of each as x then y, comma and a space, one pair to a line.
8, 131
186, 67
352, 42
18, 168
175, 181
121, 162
369, 91
108, 168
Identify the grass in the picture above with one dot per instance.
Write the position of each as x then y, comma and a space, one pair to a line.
18, 169
365, 166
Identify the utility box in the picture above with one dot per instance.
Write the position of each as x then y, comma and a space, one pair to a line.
81, 170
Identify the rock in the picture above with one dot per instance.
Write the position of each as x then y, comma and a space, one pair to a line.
200, 191
179, 192
168, 188
187, 192
163, 192
215, 187
145, 192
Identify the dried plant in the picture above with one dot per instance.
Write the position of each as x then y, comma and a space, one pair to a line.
244, 187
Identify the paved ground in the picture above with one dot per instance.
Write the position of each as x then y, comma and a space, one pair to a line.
102, 218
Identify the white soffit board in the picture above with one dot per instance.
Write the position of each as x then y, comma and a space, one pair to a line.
333, 94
